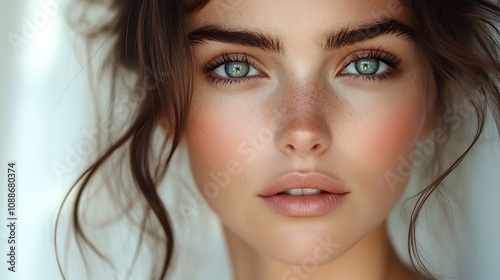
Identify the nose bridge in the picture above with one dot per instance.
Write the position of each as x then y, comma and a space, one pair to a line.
303, 104
303, 127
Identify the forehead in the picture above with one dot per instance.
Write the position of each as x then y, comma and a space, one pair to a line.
285, 16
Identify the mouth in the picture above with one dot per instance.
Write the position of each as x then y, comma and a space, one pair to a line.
304, 195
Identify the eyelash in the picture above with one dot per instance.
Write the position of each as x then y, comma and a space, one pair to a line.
392, 61
223, 59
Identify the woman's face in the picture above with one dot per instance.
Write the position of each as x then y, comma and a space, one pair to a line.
302, 114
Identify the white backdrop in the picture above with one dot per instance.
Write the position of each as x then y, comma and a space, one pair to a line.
44, 109
36, 65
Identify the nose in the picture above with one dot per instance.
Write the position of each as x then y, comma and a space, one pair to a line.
304, 127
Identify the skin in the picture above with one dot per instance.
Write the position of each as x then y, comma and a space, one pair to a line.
303, 114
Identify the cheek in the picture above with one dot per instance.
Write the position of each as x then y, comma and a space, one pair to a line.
213, 140
389, 136
377, 147
392, 141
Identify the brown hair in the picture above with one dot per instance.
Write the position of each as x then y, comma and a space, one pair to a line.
456, 37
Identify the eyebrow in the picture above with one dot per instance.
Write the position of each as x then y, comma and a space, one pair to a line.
241, 37
334, 40
348, 36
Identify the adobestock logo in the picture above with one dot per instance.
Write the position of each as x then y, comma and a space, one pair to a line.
221, 179
249, 148
324, 250
121, 110
456, 118
31, 26
417, 157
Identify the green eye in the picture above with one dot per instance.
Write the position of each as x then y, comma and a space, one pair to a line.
367, 66
236, 70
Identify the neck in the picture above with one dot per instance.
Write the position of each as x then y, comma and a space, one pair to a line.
372, 258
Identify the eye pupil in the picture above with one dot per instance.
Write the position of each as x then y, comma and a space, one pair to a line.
236, 69
367, 66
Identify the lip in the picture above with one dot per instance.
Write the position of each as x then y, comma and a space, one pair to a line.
304, 206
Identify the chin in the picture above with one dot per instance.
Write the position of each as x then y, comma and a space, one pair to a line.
295, 246
316, 253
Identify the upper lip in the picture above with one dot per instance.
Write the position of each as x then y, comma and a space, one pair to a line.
304, 181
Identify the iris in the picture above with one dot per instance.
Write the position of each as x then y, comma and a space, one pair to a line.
236, 69
367, 66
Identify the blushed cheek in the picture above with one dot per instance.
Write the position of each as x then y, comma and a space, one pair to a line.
213, 141
384, 143
395, 136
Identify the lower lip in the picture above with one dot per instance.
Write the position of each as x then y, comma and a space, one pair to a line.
304, 206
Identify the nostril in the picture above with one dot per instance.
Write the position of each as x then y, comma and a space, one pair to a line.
290, 147
315, 148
